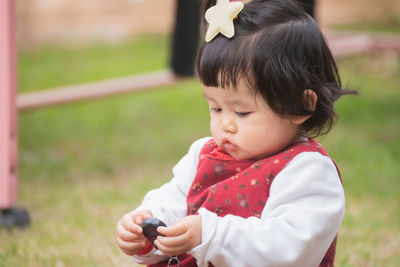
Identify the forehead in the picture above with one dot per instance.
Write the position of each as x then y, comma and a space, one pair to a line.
241, 95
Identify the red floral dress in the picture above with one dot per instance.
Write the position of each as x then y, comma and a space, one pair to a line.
225, 186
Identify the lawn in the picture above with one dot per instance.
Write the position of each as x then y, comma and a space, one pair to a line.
85, 164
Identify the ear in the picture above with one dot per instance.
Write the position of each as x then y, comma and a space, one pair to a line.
310, 99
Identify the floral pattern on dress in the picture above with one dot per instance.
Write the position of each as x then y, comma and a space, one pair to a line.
224, 185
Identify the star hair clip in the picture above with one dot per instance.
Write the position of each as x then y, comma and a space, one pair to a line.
220, 18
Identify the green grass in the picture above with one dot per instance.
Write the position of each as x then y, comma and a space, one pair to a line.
56, 66
85, 164
365, 144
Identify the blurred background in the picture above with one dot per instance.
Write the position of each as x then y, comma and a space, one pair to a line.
62, 21
84, 164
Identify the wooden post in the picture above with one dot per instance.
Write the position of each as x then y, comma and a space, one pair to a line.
9, 215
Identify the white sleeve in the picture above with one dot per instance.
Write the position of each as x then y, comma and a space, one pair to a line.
168, 203
299, 222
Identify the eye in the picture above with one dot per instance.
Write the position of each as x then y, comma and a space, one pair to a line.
243, 114
215, 109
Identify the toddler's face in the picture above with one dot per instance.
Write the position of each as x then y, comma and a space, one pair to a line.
244, 125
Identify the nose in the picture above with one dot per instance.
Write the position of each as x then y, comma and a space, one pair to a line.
228, 125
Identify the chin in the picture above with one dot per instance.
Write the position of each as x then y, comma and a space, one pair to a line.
240, 157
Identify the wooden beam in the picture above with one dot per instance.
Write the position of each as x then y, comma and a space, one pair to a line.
344, 43
66, 94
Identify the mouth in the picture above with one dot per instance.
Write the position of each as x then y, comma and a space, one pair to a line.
227, 145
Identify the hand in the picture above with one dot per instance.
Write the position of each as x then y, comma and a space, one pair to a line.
180, 237
130, 238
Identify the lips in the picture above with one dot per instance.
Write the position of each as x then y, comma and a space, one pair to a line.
227, 145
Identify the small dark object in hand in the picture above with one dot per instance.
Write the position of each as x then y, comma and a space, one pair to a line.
149, 227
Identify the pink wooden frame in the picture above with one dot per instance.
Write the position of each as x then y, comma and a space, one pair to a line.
8, 111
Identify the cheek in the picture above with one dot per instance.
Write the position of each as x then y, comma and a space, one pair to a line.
213, 126
255, 134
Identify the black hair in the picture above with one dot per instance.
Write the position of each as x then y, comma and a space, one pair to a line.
279, 50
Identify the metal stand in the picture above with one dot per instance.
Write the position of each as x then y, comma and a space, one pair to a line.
14, 217
10, 216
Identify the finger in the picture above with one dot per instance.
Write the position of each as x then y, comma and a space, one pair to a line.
127, 235
139, 220
173, 230
128, 223
171, 251
147, 215
130, 248
174, 241
143, 216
